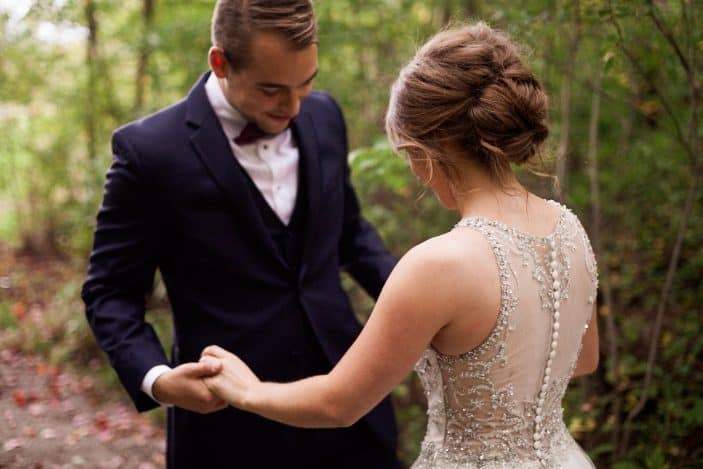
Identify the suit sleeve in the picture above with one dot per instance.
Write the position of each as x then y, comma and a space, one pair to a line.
361, 250
121, 273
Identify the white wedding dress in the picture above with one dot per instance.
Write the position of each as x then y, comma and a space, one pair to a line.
499, 405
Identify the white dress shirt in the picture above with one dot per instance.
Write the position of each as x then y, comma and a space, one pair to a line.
271, 163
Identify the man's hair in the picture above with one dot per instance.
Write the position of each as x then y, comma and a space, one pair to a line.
234, 23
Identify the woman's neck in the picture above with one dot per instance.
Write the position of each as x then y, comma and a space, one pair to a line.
481, 195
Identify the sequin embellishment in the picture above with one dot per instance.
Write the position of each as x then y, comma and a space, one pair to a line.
486, 408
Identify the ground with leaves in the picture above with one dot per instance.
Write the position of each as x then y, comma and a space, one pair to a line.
55, 419
56, 408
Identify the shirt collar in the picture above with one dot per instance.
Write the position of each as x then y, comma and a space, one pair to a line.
223, 109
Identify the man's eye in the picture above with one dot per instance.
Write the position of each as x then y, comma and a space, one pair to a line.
268, 92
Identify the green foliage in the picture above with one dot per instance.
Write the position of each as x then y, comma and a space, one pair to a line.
7, 319
404, 212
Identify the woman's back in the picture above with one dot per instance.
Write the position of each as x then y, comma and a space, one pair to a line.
499, 405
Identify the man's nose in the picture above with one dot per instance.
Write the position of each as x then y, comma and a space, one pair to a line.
291, 103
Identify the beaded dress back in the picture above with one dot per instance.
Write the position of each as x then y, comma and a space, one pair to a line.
499, 405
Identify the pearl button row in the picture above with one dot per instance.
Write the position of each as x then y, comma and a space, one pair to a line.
556, 292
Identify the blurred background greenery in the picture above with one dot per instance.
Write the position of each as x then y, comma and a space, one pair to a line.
624, 80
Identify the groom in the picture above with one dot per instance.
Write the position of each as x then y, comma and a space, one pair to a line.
240, 195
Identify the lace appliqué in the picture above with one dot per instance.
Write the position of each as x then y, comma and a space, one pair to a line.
475, 417
590, 260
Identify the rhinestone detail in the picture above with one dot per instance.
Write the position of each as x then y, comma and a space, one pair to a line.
476, 417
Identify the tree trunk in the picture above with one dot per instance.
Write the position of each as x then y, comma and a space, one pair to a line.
562, 151
91, 56
471, 8
611, 333
144, 54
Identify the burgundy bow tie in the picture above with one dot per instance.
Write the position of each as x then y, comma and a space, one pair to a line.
250, 134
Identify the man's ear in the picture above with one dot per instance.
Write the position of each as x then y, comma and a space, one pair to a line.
217, 61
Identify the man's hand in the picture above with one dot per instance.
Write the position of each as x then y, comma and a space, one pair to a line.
184, 387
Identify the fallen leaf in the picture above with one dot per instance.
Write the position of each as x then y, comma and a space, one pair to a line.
86, 383
54, 391
13, 443
112, 463
19, 310
105, 435
67, 406
32, 396
10, 418
72, 439
20, 398
48, 433
79, 420
122, 425
101, 421
36, 409
159, 458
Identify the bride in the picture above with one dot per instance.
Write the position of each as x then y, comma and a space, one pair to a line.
498, 314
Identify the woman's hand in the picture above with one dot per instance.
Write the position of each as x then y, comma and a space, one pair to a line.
183, 387
235, 383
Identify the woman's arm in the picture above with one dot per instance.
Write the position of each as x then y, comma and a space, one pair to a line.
588, 358
415, 303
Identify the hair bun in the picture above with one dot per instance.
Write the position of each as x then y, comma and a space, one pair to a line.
481, 97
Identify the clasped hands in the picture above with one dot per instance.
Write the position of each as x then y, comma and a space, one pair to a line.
219, 379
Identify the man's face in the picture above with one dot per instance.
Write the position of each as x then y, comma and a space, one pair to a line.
268, 90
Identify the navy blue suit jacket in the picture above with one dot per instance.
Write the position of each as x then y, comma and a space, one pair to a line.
176, 199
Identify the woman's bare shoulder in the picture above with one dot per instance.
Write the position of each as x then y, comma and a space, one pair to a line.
457, 254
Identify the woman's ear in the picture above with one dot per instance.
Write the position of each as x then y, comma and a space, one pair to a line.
422, 168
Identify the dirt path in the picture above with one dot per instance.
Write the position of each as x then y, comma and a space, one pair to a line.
52, 419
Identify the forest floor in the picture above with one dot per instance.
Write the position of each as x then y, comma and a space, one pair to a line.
52, 419
53, 416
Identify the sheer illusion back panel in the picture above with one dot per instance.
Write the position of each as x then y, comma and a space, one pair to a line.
530, 341
501, 402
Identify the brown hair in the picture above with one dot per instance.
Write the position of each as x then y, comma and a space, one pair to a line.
234, 22
467, 88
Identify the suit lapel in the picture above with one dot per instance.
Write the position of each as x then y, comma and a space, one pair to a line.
210, 144
308, 150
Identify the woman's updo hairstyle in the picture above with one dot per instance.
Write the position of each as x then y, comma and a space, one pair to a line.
467, 88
